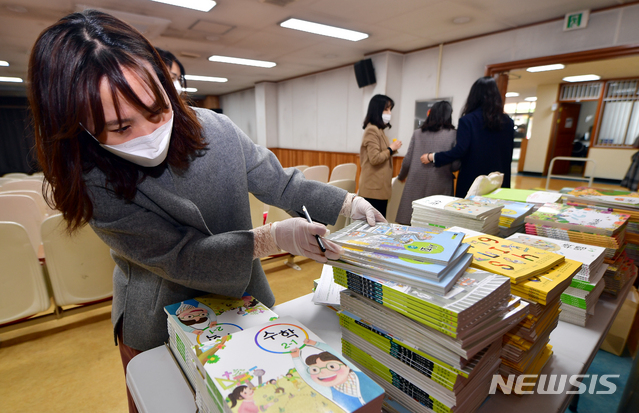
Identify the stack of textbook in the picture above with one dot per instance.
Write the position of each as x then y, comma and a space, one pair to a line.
528, 196
584, 225
447, 211
282, 366
194, 323
538, 277
624, 202
579, 299
429, 350
512, 214
429, 258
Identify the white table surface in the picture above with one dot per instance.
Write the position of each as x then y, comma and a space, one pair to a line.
157, 384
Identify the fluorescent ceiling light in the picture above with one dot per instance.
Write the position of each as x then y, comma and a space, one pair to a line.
582, 78
4, 63
239, 61
531, 99
511, 94
190, 90
10, 79
201, 5
205, 78
545, 68
324, 30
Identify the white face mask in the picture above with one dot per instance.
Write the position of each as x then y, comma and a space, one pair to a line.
149, 150
178, 86
386, 117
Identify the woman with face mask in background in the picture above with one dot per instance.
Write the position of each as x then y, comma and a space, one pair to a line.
164, 185
176, 69
376, 154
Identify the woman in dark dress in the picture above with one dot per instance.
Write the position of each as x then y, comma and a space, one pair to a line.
485, 137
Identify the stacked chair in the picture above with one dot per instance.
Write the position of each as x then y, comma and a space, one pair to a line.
44, 272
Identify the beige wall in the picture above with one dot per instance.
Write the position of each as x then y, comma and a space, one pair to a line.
542, 126
611, 163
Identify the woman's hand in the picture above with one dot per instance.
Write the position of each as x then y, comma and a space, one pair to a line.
362, 209
396, 145
297, 236
425, 158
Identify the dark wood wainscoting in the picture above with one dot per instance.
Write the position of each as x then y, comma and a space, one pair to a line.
294, 157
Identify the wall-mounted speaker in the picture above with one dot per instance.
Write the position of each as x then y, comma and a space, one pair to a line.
365, 73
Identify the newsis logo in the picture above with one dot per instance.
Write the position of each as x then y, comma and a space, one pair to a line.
554, 383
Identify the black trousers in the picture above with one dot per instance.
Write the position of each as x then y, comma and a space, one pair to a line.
378, 204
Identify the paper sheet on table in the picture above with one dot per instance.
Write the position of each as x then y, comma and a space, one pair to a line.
327, 291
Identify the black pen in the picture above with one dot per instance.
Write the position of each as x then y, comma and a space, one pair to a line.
317, 237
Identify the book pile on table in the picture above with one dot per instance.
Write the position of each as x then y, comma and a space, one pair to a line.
256, 361
584, 225
579, 299
538, 277
428, 350
429, 258
512, 214
195, 322
447, 211
618, 273
528, 196
624, 202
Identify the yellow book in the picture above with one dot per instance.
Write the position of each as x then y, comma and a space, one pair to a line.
538, 288
511, 259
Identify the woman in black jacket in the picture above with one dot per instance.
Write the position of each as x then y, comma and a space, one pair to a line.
485, 138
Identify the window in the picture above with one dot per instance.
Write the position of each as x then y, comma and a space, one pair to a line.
619, 124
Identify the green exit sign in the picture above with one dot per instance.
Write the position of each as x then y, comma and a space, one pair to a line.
576, 20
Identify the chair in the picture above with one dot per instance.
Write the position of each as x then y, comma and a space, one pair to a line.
5, 180
22, 185
344, 171
24, 290
348, 185
80, 266
316, 173
301, 167
45, 209
258, 209
393, 202
24, 211
15, 175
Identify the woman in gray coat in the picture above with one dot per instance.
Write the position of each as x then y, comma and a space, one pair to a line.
436, 134
164, 185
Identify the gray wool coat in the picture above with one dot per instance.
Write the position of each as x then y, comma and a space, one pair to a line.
425, 180
186, 234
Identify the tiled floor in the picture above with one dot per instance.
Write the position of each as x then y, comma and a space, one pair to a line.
71, 365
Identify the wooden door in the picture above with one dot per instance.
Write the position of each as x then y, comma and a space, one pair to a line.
567, 119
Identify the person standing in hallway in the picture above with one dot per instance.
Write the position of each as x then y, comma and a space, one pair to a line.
436, 134
176, 69
376, 154
485, 137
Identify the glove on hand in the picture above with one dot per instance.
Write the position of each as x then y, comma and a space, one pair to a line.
361, 209
297, 236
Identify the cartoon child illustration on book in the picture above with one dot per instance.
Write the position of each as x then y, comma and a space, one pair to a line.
245, 394
196, 317
332, 377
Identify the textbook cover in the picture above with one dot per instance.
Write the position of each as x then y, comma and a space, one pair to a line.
457, 206
424, 244
546, 286
589, 220
524, 195
609, 197
589, 255
512, 212
511, 259
282, 367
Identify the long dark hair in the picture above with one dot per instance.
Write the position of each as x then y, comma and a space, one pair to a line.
439, 117
68, 62
485, 94
236, 395
169, 58
377, 105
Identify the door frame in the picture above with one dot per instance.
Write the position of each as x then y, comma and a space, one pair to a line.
501, 69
